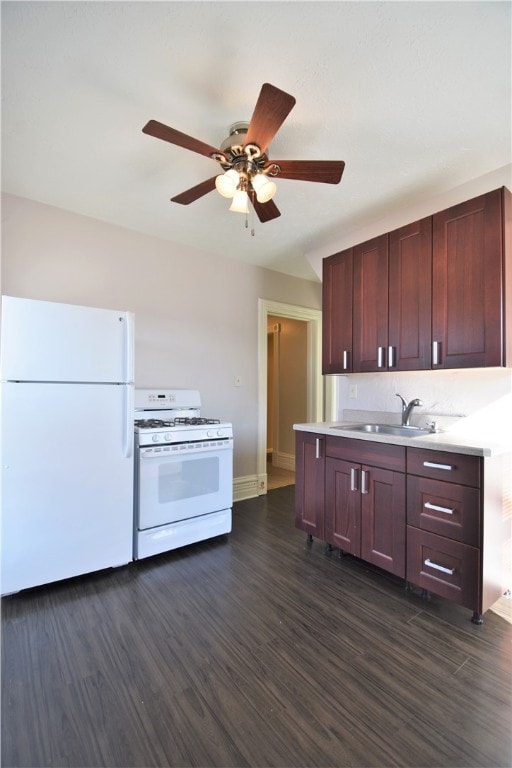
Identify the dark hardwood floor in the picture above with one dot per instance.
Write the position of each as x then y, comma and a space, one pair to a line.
251, 650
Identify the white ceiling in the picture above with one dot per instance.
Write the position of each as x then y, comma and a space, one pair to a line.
414, 96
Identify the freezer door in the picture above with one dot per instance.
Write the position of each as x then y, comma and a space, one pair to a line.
67, 483
46, 341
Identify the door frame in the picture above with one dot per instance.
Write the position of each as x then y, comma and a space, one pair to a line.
321, 394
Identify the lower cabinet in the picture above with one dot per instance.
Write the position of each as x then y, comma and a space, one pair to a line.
364, 512
444, 525
310, 483
351, 494
416, 513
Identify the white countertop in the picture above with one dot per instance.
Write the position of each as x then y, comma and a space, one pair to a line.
440, 441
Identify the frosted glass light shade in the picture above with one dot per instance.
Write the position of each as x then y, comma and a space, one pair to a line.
227, 183
264, 188
240, 202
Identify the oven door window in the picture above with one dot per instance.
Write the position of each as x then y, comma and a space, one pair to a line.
176, 487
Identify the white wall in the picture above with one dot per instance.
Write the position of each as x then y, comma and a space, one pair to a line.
196, 316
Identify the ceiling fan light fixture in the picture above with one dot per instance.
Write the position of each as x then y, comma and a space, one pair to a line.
227, 183
240, 202
264, 188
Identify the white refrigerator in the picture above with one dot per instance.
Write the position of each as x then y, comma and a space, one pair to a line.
66, 405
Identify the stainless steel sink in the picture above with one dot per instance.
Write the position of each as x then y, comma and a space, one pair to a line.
387, 429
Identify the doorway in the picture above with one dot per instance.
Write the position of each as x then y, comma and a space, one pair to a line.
286, 395
320, 394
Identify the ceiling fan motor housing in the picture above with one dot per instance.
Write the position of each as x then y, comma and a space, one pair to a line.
248, 159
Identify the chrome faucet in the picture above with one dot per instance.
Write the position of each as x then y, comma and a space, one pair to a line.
407, 408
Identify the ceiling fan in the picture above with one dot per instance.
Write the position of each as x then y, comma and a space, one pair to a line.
247, 170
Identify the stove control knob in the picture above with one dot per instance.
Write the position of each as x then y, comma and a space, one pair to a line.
210, 433
155, 438
220, 432
168, 436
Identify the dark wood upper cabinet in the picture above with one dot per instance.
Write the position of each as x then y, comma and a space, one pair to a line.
469, 313
337, 313
432, 294
393, 299
410, 297
370, 330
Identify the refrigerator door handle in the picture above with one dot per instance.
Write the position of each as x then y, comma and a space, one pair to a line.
128, 406
129, 340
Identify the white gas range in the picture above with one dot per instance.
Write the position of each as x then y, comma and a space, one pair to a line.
183, 472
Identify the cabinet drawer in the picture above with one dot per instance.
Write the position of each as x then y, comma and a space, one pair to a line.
383, 455
447, 509
444, 566
441, 465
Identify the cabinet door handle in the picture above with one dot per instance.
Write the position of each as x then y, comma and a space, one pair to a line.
345, 359
353, 479
437, 466
391, 357
436, 357
318, 448
380, 357
436, 508
450, 571
364, 487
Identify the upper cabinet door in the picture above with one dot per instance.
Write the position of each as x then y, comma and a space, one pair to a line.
410, 297
371, 305
467, 287
337, 313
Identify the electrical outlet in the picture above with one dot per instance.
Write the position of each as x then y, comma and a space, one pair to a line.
352, 391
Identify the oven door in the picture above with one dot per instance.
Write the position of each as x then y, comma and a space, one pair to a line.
178, 482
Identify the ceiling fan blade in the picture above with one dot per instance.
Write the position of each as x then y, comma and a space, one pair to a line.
164, 132
264, 211
194, 193
326, 171
270, 112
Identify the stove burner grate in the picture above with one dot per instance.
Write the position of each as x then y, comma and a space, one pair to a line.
177, 422
194, 420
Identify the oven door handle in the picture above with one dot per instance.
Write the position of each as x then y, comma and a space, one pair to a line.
149, 452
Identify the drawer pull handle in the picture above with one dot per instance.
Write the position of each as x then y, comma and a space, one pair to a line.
353, 479
437, 466
318, 451
430, 564
364, 487
436, 508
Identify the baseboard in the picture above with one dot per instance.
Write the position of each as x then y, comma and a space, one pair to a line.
284, 460
249, 487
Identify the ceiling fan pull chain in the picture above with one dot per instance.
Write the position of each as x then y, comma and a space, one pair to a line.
252, 222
